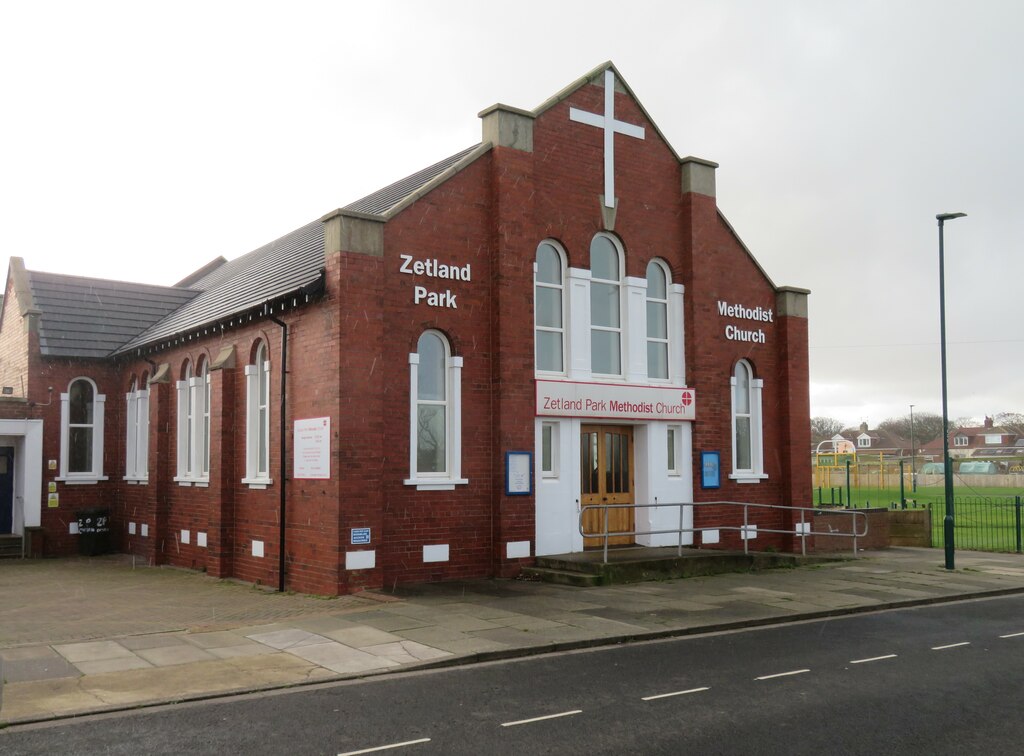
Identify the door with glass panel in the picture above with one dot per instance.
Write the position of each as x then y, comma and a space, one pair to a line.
606, 477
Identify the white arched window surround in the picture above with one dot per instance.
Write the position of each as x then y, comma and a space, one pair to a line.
659, 280
549, 300
81, 432
747, 429
435, 415
136, 465
193, 394
257, 419
607, 263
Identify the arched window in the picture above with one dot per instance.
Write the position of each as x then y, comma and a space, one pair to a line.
747, 453
136, 465
435, 406
257, 447
657, 321
194, 424
81, 438
203, 419
548, 313
605, 306
432, 406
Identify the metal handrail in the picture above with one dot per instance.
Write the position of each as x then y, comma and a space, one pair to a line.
801, 532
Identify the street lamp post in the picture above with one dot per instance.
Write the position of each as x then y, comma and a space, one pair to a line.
913, 454
947, 467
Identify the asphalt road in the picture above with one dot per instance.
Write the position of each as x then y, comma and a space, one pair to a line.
935, 680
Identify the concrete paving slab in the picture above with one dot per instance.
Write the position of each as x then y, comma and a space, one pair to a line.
358, 637
92, 651
288, 639
40, 668
248, 648
508, 637
120, 664
320, 625
406, 651
161, 640
216, 639
389, 622
168, 656
28, 652
340, 658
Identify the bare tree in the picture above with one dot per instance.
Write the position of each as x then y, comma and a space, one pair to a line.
823, 428
1012, 421
927, 427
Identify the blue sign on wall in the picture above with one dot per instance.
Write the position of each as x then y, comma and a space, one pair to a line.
360, 536
710, 473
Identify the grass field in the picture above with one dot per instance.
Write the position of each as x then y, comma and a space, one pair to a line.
985, 518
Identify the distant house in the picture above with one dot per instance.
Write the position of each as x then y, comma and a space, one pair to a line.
987, 441
875, 441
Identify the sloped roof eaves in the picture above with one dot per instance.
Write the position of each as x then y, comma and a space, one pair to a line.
386, 203
273, 271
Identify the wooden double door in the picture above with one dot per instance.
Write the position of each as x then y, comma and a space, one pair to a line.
606, 477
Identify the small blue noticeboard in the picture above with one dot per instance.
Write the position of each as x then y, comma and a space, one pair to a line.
710, 474
360, 536
518, 473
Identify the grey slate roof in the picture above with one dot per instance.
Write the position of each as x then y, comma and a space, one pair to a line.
90, 317
272, 271
84, 317
384, 199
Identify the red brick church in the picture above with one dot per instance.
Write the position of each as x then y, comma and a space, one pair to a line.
429, 383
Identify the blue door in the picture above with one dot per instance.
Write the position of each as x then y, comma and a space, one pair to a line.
6, 489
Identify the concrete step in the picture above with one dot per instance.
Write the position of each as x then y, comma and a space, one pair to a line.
562, 577
569, 565
10, 547
641, 565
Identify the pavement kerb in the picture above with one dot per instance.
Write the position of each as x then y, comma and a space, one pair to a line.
521, 653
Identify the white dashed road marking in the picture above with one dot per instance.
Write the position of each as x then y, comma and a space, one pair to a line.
1012, 635
873, 658
386, 747
675, 693
782, 674
541, 719
951, 645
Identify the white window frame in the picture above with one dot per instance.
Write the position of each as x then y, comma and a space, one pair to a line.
673, 450
562, 290
667, 341
620, 330
452, 476
864, 441
136, 464
755, 473
99, 403
193, 393
257, 420
961, 441
551, 431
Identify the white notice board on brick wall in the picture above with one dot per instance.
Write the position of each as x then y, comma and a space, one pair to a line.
312, 445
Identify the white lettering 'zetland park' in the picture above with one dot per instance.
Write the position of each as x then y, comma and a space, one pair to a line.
431, 268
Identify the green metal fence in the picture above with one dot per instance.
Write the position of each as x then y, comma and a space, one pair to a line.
980, 523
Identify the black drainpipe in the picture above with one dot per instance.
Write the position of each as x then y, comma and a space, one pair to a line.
284, 445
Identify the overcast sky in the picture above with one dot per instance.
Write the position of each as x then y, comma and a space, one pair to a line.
141, 140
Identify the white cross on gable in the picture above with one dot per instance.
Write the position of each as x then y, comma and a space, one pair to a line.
611, 128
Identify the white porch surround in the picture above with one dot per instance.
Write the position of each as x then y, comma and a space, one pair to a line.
558, 493
26, 436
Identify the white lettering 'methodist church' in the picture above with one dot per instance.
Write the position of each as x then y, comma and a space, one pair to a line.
430, 383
